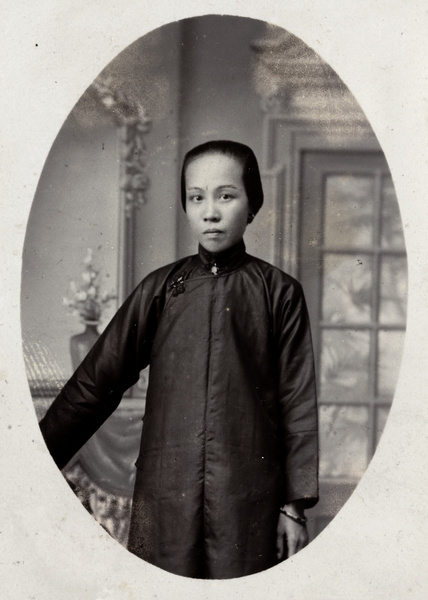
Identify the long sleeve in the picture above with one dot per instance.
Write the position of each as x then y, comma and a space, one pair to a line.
112, 366
297, 399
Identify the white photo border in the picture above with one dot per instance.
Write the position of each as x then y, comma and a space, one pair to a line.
377, 546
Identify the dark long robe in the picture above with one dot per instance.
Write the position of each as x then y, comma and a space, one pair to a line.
230, 427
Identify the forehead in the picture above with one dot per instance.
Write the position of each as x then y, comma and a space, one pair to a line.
214, 167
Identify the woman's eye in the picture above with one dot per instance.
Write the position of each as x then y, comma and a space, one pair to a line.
195, 198
226, 196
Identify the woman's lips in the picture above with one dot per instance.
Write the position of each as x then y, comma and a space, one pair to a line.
213, 232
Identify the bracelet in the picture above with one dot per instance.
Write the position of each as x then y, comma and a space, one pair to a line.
299, 520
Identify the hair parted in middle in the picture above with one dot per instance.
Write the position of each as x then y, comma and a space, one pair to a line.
244, 155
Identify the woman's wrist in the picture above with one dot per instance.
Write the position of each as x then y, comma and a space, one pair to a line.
300, 520
294, 511
295, 508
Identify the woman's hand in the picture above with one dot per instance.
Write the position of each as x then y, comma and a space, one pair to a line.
290, 536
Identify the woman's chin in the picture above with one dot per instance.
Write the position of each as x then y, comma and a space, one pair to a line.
214, 246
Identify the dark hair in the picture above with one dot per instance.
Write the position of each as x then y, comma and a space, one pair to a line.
250, 168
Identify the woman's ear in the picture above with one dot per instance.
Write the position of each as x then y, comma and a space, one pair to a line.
250, 218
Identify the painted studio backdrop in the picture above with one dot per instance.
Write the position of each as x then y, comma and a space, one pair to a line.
107, 212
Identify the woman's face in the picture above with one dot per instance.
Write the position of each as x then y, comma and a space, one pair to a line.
216, 202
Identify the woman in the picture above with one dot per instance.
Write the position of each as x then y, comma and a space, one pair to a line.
229, 451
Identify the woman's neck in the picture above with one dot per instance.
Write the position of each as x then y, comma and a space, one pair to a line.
225, 259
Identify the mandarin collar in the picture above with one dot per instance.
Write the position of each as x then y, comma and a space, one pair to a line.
225, 261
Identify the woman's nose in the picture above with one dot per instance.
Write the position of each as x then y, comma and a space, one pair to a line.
211, 212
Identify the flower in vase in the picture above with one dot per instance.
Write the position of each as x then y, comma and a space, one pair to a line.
86, 298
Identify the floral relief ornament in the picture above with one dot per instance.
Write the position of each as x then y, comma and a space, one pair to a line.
86, 298
132, 117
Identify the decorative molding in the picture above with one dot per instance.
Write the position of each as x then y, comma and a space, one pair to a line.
291, 62
134, 178
119, 106
274, 188
306, 106
285, 139
293, 79
134, 123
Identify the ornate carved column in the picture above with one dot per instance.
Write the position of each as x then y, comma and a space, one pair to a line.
133, 125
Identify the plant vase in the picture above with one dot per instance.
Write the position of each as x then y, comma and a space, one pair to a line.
81, 343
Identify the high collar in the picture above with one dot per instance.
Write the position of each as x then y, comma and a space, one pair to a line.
223, 261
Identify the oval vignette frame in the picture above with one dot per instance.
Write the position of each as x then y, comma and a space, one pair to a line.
114, 102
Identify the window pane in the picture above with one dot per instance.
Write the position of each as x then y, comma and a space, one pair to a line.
393, 289
392, 229
390, 350
347, 288
344, 365
348, 211
382, 413
344, 441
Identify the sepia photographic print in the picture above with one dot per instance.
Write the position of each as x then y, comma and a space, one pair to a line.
106, 211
